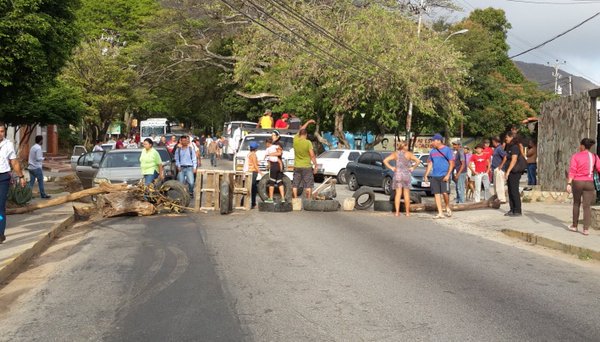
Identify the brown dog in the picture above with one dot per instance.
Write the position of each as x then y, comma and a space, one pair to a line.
470, 189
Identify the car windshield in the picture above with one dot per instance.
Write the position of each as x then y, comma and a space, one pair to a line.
148, 131
331, 154
287, 143
121, 159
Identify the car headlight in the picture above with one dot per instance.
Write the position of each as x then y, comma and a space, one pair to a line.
240, 161
101, 180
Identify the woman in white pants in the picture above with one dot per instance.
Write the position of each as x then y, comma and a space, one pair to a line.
480, 167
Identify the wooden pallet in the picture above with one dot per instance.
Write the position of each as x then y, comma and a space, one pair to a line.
208, 185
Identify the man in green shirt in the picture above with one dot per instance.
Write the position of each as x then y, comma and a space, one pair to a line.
303, 155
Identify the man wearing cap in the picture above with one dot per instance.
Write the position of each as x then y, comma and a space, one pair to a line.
283, 122
266, 121
460, 171
440, 166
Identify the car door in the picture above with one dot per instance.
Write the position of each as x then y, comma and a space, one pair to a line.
377, 170
78, 151
87, 167
363, 168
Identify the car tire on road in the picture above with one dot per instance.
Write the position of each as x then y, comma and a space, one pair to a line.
225, 204
321, 205
263, 189
415, 198
341, 176
176, 191
352, 182
383, 206
358, 194
275, 207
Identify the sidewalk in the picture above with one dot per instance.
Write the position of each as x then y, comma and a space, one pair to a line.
542, 224
29, 234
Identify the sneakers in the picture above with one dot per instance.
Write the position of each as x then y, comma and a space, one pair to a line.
269, 200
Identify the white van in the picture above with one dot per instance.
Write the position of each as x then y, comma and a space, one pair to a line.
234, 136
287, 143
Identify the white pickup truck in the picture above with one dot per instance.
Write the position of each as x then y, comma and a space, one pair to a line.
287, 143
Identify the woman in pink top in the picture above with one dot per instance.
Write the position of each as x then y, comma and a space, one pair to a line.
581, 183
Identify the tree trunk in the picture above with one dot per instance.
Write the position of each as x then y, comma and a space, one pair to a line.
493, 203
339, 130
378, 139
124, 203
103, 188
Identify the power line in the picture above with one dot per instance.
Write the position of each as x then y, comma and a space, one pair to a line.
584, 2
557, 36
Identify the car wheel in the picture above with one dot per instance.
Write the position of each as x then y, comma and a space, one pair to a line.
341, 177
387, 185
352, 182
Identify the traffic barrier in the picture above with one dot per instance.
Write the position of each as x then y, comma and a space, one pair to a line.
207, 191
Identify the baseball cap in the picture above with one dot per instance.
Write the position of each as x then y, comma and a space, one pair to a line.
438, 136
285, 115
457, 142
253, 145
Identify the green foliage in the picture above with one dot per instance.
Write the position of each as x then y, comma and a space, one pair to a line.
36, 38
501, 95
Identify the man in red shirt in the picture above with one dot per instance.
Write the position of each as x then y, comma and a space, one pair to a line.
283, 122
480, 166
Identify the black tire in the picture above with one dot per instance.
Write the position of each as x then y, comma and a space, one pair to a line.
387, 185
415, 198
341, 176
358, 194
276, 207
225, 199
352, 182
383, 206
263, 189
176, 192
324, 205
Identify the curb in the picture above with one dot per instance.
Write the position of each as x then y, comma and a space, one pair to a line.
581, 252
10, 266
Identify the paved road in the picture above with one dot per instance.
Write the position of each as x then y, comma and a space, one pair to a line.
304, 277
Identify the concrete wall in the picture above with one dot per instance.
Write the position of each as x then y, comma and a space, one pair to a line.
563, 123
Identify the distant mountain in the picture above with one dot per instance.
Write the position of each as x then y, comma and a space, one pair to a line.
542, 75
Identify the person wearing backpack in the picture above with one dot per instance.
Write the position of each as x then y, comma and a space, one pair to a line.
186, 162
440, 165
516, 166
582, 167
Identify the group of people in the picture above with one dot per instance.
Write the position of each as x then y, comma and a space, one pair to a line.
287, 121
504, 163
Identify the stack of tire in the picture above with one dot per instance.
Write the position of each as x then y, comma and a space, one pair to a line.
365, 199
279, 206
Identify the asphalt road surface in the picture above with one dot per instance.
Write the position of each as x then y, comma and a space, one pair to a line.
303, 277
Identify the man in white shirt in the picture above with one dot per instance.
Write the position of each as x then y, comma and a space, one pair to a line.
8, 158
36, 157
98, 146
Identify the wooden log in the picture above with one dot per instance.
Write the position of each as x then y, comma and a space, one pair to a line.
102, 189
84, 212
492, 203
123, 203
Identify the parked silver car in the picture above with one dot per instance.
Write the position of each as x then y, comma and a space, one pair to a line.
117, 166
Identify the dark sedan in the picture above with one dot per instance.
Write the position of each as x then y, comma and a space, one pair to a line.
368, 170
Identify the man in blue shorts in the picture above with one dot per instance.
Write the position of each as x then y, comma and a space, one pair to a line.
440, 166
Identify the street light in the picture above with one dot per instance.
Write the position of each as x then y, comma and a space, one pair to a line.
463, 31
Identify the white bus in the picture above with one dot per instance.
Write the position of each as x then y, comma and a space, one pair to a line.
154, 128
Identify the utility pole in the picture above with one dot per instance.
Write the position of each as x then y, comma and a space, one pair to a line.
420, 11
556, 74
570, 85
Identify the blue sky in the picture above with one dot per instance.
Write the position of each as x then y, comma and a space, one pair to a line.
534, 23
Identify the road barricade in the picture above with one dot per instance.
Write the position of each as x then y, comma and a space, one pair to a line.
207, 193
